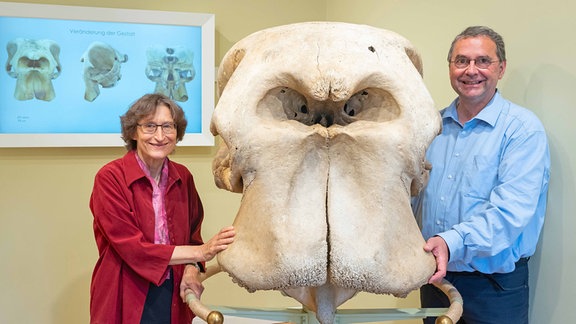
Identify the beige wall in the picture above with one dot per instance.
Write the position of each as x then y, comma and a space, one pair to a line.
46, 242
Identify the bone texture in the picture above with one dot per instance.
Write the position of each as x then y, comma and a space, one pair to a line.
324, 128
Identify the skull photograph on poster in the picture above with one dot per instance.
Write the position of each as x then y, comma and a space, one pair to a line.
170, 68
34, 63
101, 68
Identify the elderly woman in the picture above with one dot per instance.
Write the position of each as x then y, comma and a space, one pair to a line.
147, 217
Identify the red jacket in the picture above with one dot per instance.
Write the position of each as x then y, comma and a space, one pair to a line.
129, 261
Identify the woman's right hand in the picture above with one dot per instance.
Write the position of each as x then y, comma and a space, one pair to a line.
218, 243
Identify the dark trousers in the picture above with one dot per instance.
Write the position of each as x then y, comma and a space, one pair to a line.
500, 298
158, 303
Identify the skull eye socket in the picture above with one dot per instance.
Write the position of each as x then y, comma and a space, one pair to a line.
284, 103
354, 105
371, 104
186, 74
154, 73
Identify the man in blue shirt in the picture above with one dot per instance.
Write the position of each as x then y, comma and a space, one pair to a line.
483, 208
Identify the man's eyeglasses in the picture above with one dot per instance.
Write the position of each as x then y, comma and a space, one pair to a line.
481, 62
150, 128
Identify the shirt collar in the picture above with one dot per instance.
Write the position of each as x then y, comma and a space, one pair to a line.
163, 170
134, 172
488, 115
132, 169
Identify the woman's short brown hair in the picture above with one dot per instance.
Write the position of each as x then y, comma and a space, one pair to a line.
144, 107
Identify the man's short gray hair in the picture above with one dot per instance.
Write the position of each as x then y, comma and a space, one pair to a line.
475, 31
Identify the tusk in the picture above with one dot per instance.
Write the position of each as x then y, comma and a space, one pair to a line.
454, 312
210, 271
197, 307
209, 316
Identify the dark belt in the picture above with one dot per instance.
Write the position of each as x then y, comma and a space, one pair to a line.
520, 262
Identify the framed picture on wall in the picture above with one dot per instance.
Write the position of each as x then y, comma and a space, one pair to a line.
71, 72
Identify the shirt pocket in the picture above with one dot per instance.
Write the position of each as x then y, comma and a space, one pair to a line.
480, 177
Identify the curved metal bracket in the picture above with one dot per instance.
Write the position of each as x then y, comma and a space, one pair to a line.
449, 315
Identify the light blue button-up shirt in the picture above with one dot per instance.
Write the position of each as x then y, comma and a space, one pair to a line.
486, 196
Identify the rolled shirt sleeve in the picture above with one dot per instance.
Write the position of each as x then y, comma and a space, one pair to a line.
486, 196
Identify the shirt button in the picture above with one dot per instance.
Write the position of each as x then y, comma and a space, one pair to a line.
442, 198
437, 222
457, 154
450, 176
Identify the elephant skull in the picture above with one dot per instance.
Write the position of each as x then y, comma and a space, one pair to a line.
170, 68
102, 65
324, 128
34, 64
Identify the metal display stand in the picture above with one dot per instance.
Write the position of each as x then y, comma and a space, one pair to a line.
345, 316
215, 314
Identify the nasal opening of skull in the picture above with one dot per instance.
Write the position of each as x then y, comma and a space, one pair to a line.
285, 103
